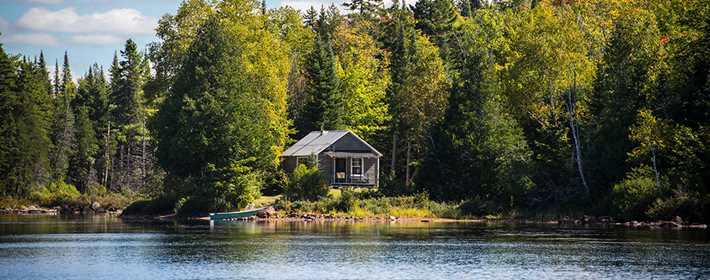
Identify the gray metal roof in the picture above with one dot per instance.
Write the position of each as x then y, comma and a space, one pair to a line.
317, 141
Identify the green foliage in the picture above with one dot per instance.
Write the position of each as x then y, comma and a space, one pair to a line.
306, 183
323, 106
356, 206
346, 201
692, 207
635, 194
364, 78
55, 193
224, 123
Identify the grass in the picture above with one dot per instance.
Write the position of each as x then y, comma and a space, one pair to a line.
364, 204
266, 200
60, 194
14, 203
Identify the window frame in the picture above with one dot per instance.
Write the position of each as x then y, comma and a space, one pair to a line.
302, 160
352, 167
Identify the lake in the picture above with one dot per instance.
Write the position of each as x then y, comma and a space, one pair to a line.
101, 247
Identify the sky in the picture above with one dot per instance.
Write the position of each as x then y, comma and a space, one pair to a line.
91, 31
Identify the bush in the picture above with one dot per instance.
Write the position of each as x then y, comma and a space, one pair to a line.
689, 206
635, 194
306, 184
479, 207
56, 193
275, 183
160, 205
9, 202
346, 202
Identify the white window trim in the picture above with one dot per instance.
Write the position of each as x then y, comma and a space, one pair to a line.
362, 167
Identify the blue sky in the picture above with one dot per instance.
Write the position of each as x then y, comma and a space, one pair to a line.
90, 30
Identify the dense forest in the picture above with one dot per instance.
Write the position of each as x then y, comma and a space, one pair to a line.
598, 107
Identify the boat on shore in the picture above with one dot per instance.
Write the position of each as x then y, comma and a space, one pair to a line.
228, 216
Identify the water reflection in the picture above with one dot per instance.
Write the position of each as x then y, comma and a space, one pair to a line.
103, 247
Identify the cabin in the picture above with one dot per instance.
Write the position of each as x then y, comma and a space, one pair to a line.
344, 159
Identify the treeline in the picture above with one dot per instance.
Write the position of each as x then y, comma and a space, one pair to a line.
90, 133
597, 107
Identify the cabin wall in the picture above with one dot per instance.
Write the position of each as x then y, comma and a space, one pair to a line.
326, 165
349, 143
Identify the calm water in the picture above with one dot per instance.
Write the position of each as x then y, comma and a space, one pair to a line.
107, 248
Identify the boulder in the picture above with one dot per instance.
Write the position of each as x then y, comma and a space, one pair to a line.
678, 220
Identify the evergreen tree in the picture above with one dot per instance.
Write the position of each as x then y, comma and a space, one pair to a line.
480, 151
224, 122
323, 108
436, 19
418, 98
82, 172
365, 9
63, 124
626, 82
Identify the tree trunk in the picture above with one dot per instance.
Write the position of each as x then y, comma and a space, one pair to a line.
107, 155
408, 178
655, 168
143, 155
394, 155
577, 153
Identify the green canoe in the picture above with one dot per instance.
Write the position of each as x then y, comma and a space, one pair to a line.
235, 215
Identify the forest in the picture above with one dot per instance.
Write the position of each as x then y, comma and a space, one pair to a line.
597, 107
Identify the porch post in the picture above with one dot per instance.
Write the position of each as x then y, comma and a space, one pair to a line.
377, 173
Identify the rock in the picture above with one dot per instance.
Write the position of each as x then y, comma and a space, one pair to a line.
266, 213
95, 205
393, 218
669, 224
678, 220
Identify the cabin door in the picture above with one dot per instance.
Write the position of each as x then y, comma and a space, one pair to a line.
340, 170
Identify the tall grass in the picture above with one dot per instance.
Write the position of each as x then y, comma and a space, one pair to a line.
369, 205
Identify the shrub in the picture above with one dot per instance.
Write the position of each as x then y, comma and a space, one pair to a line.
688, 206
635, 194
346, 202
56, 193
478, 206
161, 205
306, 184
9, 202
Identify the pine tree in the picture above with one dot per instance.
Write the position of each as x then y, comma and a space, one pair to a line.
225, 120
82, 172
436, 18
323, 108
63, 124
626, 83
127, 101
8, 127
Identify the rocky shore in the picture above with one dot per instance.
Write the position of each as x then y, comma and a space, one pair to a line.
271, 215
67, 209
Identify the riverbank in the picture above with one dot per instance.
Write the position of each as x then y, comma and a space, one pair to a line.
265, 216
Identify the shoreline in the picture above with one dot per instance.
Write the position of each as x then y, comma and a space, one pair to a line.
322, 219
268, 217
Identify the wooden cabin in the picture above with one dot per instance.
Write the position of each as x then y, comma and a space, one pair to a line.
342, 157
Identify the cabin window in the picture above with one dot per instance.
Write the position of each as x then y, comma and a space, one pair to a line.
356, 167
303, 160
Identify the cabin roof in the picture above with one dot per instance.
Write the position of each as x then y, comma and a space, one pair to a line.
317, 141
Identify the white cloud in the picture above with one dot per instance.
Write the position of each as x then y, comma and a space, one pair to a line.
116, 21
95, 39
46, 1
36, 39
